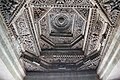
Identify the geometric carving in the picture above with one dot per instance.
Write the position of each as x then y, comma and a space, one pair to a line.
62, 28
93, 34
60, 51
61, 39
76, 28
29, 66
39, 12
83, 12
58, 29
90, 64
38, 1
114, 4
8, 8
68, 3
60, 1
12, 33
61, 24
94, 38
112, 9
62, 35
24, 32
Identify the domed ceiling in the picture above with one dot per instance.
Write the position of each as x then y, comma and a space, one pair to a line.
56, 35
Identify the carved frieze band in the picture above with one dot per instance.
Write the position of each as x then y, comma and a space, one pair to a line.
25, 34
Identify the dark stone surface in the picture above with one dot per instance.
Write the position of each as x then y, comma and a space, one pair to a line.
83, 75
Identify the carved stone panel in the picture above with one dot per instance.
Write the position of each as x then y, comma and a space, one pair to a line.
61, 37
59, 29
8, 8
25, 35
64, 3
62, 25
112, 8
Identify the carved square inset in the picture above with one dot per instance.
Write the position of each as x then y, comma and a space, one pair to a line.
61, 24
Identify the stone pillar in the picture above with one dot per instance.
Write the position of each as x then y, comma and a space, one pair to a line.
111, 59
9, 58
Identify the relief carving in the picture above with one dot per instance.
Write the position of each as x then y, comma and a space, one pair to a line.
62, 25
24, 33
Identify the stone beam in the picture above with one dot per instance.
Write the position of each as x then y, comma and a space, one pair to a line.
33, 28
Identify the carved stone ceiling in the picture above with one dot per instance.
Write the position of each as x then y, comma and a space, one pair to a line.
57, 34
